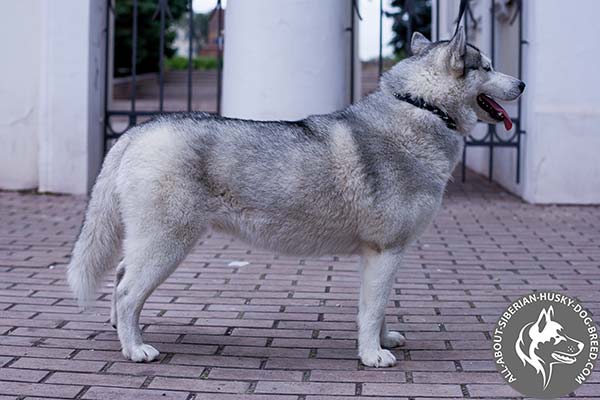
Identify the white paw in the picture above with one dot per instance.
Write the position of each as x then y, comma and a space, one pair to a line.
392, 339
141, 353
380, 358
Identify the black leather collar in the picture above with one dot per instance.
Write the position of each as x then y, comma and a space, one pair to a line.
448, 120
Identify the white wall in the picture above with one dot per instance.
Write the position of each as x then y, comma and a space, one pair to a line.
286, 60
559, 160
563, 108
19, 94
51, 101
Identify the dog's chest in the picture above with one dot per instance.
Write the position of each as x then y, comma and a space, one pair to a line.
406, 193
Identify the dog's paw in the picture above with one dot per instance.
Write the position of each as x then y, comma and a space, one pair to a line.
380, 358
392, 339
141, 353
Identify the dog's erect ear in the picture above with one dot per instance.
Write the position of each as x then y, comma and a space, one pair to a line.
544, 318
456, 51
418, 43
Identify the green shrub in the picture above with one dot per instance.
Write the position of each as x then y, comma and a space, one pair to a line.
205, 63
178, 63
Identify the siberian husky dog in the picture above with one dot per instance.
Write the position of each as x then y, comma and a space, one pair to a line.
366, 180
544, 343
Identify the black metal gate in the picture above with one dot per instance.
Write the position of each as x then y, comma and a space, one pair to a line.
132, 115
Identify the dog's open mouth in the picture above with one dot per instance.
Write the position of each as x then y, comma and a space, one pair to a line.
494, 110
563, 358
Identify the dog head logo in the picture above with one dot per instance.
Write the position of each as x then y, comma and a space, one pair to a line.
543, 344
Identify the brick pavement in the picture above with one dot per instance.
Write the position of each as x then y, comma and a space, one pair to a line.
283, 327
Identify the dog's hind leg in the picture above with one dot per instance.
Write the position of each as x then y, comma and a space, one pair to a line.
149, 259
390, 339
378, 271
113, 307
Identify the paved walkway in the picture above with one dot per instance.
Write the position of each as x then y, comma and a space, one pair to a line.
282, 327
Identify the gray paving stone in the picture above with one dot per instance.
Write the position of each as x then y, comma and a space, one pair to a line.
283, 327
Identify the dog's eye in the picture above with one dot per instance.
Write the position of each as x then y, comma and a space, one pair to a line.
486, 68
558, 339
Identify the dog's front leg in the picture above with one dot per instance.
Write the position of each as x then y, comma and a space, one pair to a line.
378, 271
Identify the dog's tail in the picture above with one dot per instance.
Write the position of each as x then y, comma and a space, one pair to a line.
98, 245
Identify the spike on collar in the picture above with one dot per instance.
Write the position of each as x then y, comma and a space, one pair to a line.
420, 103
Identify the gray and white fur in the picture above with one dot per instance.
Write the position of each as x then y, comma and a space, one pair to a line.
366, 180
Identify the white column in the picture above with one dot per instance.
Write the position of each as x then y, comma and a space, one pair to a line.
19, 94
71, 95
286, 59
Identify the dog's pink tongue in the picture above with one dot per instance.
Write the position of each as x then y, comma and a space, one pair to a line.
508, 124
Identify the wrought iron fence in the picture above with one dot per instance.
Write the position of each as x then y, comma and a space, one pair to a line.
490, 140
133, 114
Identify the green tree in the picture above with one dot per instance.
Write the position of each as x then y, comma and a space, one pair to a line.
148, 43
409, 16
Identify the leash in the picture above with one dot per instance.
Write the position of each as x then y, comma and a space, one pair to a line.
461, 13
356, 9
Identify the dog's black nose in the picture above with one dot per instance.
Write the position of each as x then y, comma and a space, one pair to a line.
522, 86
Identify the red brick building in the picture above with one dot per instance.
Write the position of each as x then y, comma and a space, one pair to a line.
211, 49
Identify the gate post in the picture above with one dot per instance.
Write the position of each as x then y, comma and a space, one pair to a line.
71, 94
19, 99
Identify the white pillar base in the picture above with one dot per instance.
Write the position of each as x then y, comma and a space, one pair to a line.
19, 94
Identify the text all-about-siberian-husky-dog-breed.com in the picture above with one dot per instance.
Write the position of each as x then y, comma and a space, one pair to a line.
365, 180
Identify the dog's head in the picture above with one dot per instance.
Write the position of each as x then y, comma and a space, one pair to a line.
456, 77
544, 343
